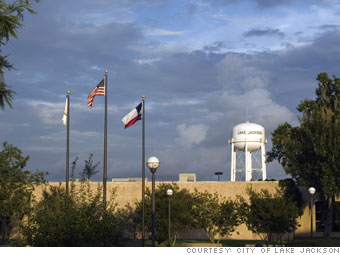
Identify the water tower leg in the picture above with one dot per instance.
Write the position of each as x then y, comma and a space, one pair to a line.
233, 164
249, 167
247, 163
263, 157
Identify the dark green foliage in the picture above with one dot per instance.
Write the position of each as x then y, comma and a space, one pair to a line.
292, 193
16, 186
73, 167
181, 211
269, 215
78, 219
213, 215
128, 216
310, 152
228, 217
89, 168
205, 212
11, 19
198, 210
6, 94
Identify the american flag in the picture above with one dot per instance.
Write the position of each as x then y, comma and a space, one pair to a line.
99, 90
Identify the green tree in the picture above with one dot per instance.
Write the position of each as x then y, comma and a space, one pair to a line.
270, 216
16, 186
292, 193
73, 166
128, 216
11, 19
213, 215
181, 211
77, 219
310, 152
228, 218
89, 168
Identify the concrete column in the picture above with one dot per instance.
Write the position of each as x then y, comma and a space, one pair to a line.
249, 166
263, 159
233, 163
247, 169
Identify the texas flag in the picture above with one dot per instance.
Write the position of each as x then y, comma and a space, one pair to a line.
133, 116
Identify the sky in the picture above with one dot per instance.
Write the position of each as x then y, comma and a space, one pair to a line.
204, 67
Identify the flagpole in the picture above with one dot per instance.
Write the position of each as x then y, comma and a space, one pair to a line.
143, 173
68, 141
105, 142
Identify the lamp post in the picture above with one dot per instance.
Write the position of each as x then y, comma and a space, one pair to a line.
311, 191
169, 192
218, 175
153, 164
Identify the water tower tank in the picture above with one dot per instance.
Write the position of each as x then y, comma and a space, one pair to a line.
248, 137
250, 133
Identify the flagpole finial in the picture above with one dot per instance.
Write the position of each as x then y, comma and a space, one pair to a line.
106, 71
143, 97
68, 92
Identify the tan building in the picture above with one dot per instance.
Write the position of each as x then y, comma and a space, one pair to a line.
187, 177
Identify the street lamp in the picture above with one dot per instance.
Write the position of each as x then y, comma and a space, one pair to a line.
153, 164
218, 175
311, 191
169, 192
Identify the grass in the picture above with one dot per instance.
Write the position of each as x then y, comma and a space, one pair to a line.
315, 242
298, 242
225, 243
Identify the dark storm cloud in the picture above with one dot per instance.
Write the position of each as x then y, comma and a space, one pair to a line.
264, 32
271, 4
269, 87
218, 47
193, 98
186, 73
303, 64
44, 51
191, 8
264, 4
327, 27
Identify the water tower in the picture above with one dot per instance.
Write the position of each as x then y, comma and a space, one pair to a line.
248, 138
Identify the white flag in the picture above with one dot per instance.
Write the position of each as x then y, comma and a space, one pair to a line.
64, 119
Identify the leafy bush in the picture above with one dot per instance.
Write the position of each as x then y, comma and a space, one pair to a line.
215, 214
269, 215
77, 219
16, 186
197, 210
181, 211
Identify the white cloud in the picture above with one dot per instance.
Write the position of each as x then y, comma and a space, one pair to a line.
159, 50
259, 106
161, 32
44, 148
146, 61
238, 71
86, 133
50, 113
190, 135
255, 105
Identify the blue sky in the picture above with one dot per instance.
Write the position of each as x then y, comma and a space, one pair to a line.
200, 64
